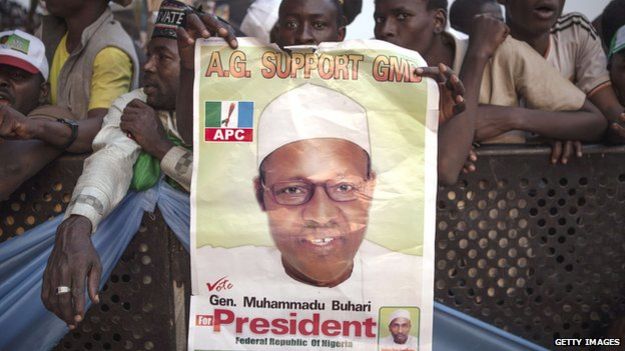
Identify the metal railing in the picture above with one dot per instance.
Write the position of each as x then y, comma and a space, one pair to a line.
532, 248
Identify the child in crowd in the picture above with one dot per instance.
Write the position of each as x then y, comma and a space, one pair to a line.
552, 106
570, 44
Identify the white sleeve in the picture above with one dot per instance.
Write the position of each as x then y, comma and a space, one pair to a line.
107, 173
178, 165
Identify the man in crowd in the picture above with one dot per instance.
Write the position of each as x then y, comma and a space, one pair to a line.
555, 108
137, 142
23, 87
92, 62
334, 224
315, 183
570, 44
399, 326
462, 12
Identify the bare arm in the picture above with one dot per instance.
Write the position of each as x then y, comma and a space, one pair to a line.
57, 134
605, 99
586, 124
34, 155
456, 135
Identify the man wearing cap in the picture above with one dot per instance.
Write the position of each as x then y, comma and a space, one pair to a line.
23, 88
138, 141
316, 181
399, 326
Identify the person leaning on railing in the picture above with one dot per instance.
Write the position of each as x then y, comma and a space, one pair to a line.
137, 144
570, 44
24, 121
514, 73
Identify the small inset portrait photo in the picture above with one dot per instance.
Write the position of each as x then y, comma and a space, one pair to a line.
398, 329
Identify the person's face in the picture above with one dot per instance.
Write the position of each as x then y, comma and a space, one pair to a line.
400, 329
617, 75
317, 238
64, 8
308, 22
533, 16
21, 90
161, 73
407, 23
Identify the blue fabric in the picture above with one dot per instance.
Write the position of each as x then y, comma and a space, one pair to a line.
175, 208
454, 330
26, 325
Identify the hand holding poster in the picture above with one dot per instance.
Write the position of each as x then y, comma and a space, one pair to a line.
313, 198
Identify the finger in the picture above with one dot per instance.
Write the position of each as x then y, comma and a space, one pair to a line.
619, 131
455, 85
135, 103
45, 288
184, 37
622, 118
196, 27
129, 116
469, 167
54, 283
217, 26
473, 156
64, 300
78, 295
556, 152
459, 107
428, 72
94, 281
578, 148
568, 152
443, 73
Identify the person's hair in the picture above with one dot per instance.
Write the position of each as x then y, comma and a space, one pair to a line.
612, 19
462, 12
340, 14
431, 4
437, 4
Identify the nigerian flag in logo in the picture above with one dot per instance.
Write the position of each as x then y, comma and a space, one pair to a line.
229, 121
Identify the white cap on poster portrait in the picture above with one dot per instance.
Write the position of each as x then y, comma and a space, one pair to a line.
399, 314
311, 112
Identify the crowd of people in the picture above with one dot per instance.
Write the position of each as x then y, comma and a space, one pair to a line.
78, 86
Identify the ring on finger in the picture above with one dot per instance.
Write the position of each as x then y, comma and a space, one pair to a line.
63, 290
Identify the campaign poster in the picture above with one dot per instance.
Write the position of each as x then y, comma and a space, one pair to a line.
313, 198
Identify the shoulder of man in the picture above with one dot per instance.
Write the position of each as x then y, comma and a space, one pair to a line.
573, 25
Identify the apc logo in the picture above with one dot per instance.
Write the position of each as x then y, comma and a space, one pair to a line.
229, 121
203, 320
